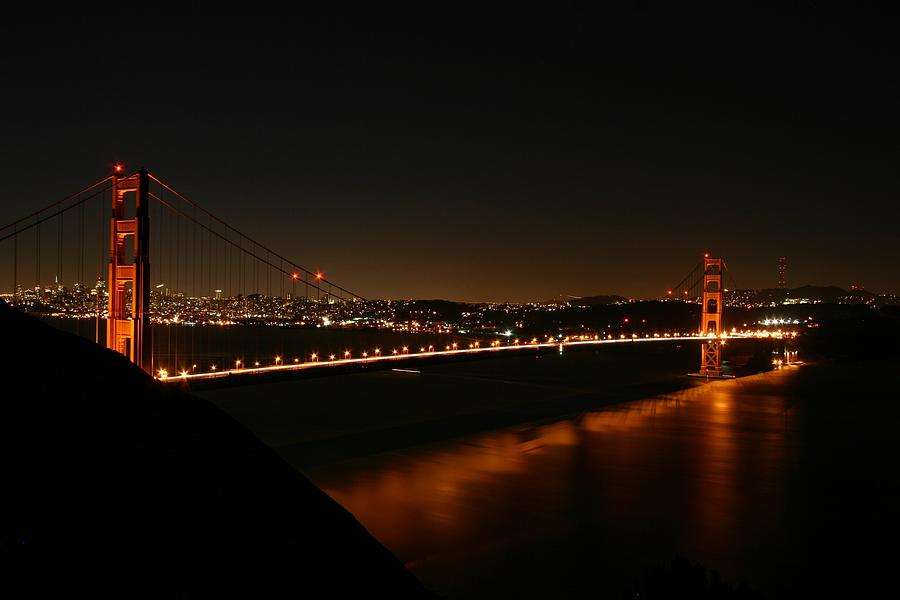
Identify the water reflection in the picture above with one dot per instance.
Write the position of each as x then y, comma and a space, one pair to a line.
584, 502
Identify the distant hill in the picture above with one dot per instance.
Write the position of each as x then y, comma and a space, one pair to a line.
114, 484
810, 293
597, 300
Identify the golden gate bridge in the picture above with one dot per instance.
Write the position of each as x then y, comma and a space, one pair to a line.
158, 256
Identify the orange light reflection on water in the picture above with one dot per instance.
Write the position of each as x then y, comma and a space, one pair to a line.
691, 470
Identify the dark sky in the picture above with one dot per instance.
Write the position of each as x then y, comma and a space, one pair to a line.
512, 155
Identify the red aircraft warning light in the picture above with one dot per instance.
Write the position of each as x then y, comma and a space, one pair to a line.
118, 168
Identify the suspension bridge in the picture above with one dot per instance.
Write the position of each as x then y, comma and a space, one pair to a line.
162, 280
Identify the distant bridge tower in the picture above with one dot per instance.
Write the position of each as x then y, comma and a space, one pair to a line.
711, 319
782, 272
128, 331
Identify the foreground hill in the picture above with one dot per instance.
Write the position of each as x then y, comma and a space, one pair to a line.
115, 485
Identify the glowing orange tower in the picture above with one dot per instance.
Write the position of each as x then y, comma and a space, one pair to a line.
711, 317
128, 330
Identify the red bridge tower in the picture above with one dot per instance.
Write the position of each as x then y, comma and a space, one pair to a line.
711, 317
128, 330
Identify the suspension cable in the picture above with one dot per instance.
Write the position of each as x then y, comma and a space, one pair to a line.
267, 249
57, 203
37, 222
228, 241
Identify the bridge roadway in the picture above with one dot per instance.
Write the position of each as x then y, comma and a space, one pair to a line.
402, 357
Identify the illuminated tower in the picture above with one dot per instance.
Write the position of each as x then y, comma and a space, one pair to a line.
711, 319
782, 272
128, 331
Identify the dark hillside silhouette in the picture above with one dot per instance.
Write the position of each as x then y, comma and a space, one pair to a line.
114, 484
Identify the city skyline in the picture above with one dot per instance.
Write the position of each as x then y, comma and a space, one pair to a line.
522, 158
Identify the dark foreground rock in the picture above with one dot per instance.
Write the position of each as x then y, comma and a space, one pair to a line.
115, 485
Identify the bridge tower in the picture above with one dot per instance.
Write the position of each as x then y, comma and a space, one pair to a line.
128, 329
711, 317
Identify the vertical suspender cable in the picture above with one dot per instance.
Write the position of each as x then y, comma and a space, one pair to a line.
193, 281
37, 258
15, 266
177, 282
59, 259
99, 269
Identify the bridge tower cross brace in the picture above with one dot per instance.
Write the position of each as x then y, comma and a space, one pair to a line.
711, 317
128, 330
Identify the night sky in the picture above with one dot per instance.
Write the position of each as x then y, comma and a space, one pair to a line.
511, 155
